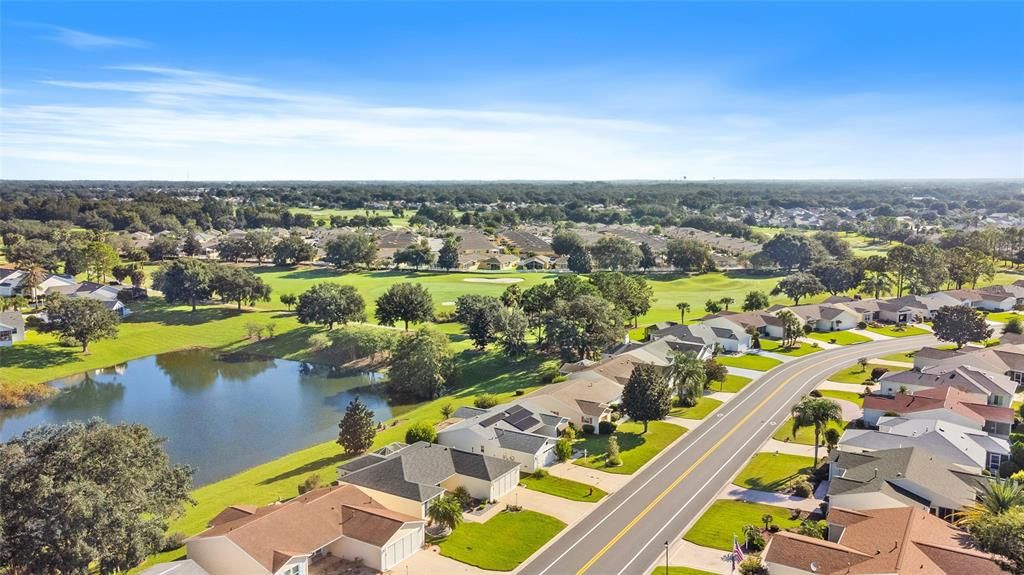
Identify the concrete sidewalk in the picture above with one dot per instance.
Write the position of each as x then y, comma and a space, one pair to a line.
610, 482
788, 447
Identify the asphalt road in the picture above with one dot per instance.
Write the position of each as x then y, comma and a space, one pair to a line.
626, 533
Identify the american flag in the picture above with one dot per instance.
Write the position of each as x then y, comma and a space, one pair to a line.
737, 552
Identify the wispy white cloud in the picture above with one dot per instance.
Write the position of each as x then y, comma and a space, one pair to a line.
80, 40
163, 122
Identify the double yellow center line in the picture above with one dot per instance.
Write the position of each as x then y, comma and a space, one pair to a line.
688, 471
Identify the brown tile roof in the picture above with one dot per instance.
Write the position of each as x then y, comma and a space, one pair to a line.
273, 534
901, 540
969, 405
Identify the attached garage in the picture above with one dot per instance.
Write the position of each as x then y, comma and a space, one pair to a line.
402, 545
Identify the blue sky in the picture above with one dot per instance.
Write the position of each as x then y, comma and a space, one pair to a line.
474, 90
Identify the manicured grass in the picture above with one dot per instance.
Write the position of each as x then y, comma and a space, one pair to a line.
502, 542
906, 357
893, 331
1004, 316
726, 518
748, 361
800, 349
635, 447
858, 375
674, 570
326, 213
850, 396
705, 406
806, 434
562, 487
840, 337
732, 384
773, 471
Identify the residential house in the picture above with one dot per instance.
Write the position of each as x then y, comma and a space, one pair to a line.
958, 444
560, 263
510, 431
1006, 358
539, 262
498, 262
824, 316
12, 282
473, 241
586, 398
908, 476
106, 294
959, 297
12, 327
889, 541
946, 403
288, 538
996, 387
763, 322
724, 338
407, 478
525, 242
1000, 298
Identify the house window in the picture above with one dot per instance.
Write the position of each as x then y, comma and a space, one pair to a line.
293, 570
994, 461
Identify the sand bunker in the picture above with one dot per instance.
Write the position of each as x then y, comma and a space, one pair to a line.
447, 303
493, 280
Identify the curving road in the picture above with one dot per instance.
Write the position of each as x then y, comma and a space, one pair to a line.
626, 533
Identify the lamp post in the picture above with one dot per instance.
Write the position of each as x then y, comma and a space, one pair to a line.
666, 558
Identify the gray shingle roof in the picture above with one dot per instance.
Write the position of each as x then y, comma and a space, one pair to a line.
524, 442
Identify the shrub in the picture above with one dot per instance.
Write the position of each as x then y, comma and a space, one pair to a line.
613, 459
878, 372
755, 543
559, 378
606, 427
588, 429
172, 541
563, 449
862, 325
486, 401
520, 392
540, 473
815, 393
549, 375
319, 342
463, 496
752, 566
421, 431
310, 483
569, 433
444, 316
803, 488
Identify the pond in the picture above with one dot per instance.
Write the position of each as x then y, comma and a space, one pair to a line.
219, 415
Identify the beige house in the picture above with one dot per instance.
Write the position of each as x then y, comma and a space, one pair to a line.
292, 538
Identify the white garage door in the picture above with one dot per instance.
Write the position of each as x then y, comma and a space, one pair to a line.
401, 550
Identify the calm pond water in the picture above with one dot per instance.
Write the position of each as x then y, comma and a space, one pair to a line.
220, 415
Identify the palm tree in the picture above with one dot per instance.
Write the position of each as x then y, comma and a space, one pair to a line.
876, 285
815, 412
995, 498
688, 375
726, 302
33, 278
445, 511
767, 519
832, 437
683, 307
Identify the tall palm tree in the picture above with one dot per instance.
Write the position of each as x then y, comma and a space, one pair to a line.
876, 284
33, 278
815, 412
683, 307
995, 498
726, 302
445, 511
688, 376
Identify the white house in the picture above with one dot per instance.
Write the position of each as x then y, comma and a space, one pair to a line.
997, 388
510, 431
12, 327
288, 538
407, 478
825, 316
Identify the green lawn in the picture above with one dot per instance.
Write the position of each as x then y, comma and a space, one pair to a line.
840, 337
562, 487
806, 434
674, 570
893, 331
732, 384
773, 471
704, 407
748, 361
1004, 316
850, 396
857, 374
905, 357
635, 447
326, 213
726, 518
800, 349
502, 542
